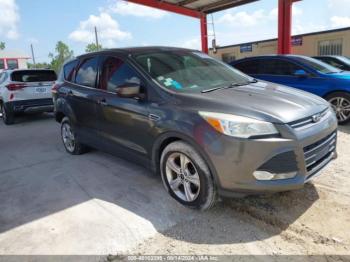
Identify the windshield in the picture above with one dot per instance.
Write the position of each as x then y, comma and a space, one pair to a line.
344, 59
186, 71
319, 66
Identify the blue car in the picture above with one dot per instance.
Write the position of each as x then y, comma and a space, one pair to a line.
304, 73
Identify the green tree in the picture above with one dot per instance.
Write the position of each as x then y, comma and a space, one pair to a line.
93, 47
39, 65
62, 53
2, 45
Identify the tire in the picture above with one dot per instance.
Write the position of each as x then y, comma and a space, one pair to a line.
69, 139
7, 114
193, 175
340, 102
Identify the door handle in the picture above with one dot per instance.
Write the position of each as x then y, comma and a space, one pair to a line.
102, 102
153, 117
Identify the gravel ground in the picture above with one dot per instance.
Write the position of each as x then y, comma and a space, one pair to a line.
314, 220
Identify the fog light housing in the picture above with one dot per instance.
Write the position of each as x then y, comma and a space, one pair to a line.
266, 176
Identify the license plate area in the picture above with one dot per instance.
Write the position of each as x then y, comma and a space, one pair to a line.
40, 90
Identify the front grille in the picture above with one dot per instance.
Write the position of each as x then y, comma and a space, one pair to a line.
307, 121
317, 155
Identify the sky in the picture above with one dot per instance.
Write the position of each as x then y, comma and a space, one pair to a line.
119, 24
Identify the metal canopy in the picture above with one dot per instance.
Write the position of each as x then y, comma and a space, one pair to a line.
208, 6
200, 9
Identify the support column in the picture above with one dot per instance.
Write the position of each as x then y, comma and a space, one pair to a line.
285, 26
204, 33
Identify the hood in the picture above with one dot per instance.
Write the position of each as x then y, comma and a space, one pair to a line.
345, 75
263, 101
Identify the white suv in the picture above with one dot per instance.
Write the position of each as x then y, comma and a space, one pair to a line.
25, 91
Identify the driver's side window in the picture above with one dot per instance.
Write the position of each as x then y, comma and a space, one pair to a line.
115, 72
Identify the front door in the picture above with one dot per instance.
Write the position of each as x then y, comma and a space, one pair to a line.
284, 72
124, 122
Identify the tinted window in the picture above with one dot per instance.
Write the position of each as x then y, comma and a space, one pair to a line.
34, 76
87, 72
12, 63
188, 71
115, 73
68, 70
277, 67
2, 64
249, 67
318, 65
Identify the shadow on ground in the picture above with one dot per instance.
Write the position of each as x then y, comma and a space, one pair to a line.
344, 128
38, 179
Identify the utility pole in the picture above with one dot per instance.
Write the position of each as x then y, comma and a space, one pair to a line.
96, 38
33, 57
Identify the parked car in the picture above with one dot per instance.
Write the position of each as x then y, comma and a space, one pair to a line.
25, 91
304, 73
205, 127
340, 62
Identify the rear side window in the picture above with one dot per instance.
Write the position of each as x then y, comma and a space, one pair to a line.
249, 67
115, 73
277, 67
34, 76
12, 64
68, 70
2, 64
87, 72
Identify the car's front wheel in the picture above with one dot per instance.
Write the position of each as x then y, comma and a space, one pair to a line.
187, 177
7, 115
69, 138
340, 102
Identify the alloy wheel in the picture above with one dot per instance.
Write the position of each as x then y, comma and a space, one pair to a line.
68, 137
341, 106
182, 177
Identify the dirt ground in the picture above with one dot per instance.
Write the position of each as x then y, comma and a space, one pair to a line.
314, 220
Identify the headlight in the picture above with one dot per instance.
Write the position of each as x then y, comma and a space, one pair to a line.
238, 126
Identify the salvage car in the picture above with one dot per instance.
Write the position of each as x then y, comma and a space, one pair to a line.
206, 128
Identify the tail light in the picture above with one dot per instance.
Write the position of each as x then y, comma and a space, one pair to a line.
55, 88
14, 87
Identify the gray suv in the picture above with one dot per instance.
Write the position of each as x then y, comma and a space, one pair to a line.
206, 128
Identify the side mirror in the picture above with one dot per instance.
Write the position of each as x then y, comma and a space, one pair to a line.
129, 90
300, 73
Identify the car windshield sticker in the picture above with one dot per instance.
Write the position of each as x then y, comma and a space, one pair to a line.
169, 82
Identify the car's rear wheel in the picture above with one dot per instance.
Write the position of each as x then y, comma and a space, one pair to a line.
7, 115
340, 102
187, 177
69, 138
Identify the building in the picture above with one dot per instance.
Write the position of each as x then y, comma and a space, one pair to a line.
13, 60
331, 42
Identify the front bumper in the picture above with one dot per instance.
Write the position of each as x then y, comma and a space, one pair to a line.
304, 151
31, 106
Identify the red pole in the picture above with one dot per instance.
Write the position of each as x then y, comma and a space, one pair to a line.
204, 33
284, 26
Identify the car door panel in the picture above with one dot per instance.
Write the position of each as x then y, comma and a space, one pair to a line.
82, 98
123, 122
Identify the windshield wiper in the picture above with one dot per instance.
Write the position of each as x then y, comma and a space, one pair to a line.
227, 87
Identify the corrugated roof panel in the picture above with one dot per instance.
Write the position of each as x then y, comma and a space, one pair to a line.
209, 6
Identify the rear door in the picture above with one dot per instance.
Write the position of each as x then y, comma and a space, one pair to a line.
82, 96
33, 84
124, 122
